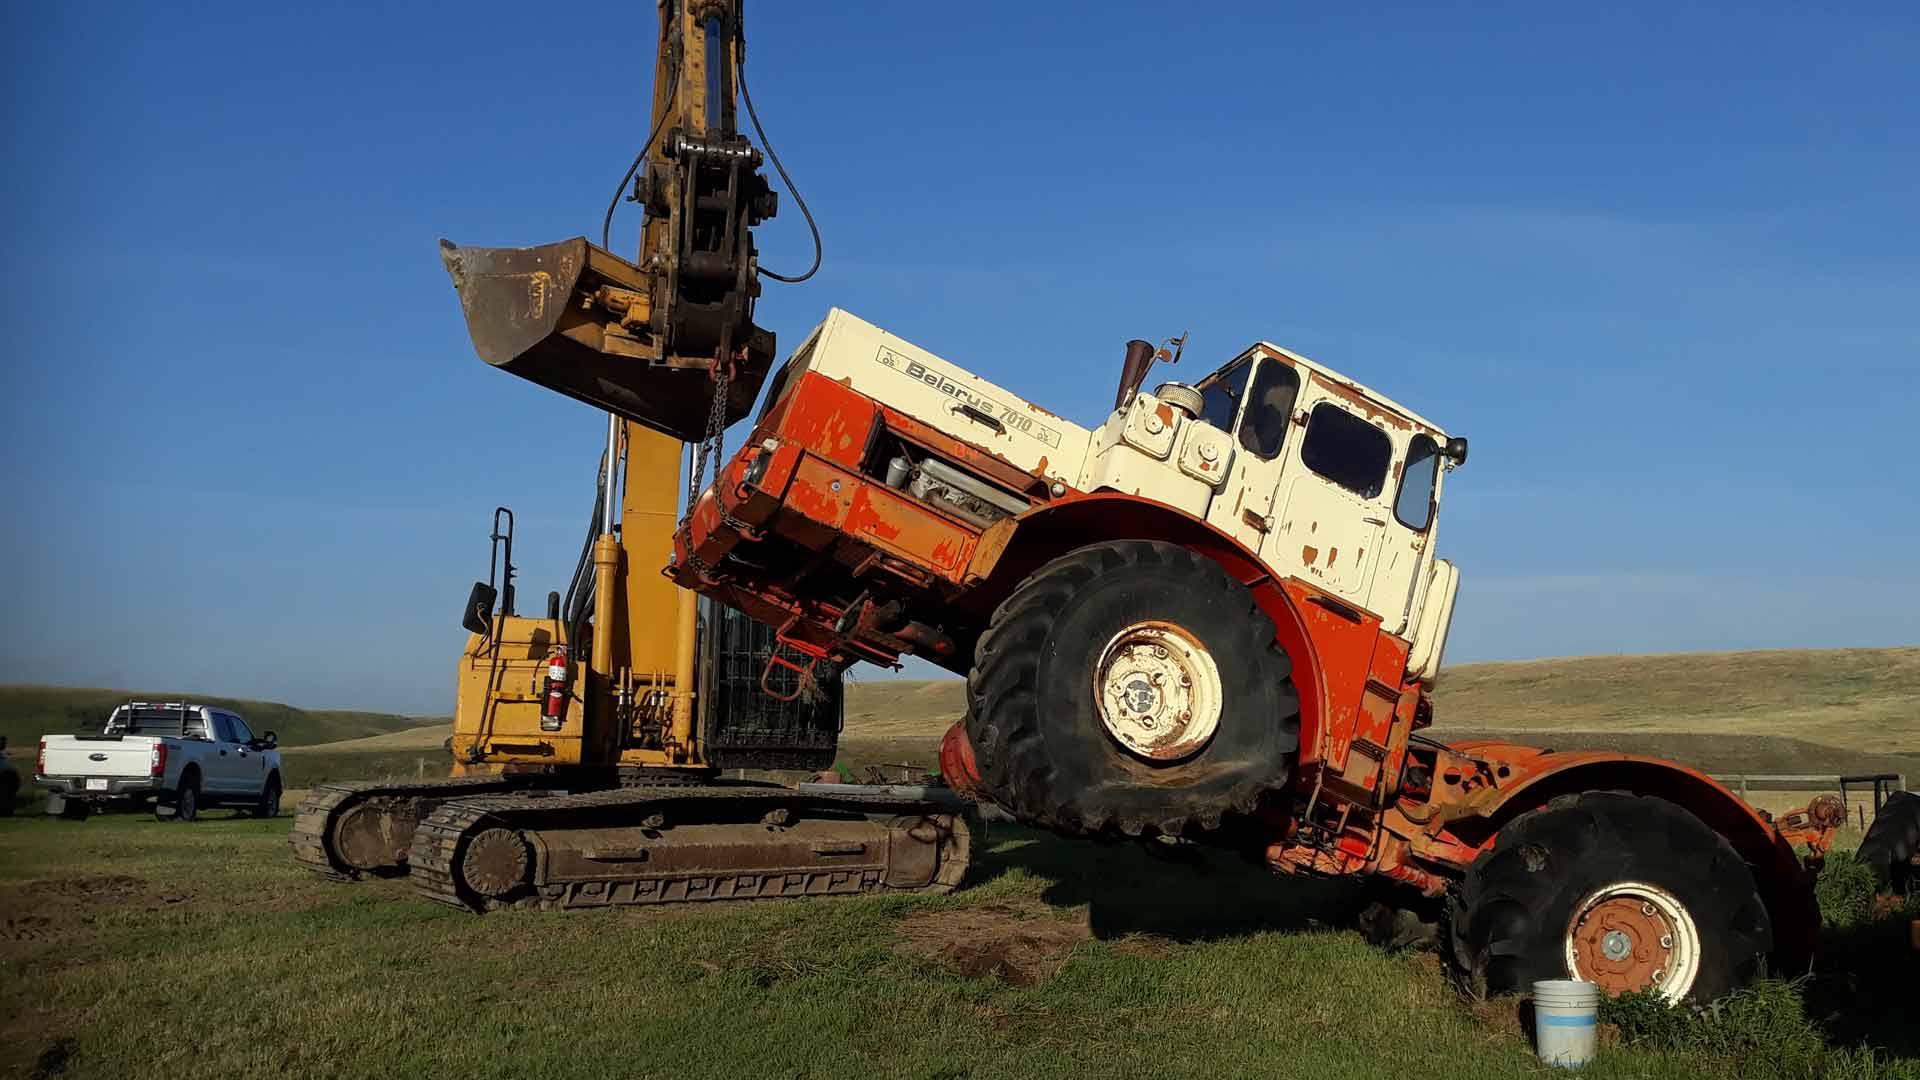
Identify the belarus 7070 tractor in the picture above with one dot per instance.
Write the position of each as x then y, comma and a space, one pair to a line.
1219, 616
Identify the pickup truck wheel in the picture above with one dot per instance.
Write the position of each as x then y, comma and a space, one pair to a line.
185, 805
1131, 688
1627, 891
269, 805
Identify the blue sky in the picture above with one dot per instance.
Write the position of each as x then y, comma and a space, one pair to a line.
1657, 261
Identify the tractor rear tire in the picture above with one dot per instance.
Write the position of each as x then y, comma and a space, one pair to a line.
1140, 641
1628, 891
1892, 841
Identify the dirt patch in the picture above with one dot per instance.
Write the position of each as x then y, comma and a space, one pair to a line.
58, 907
1017, 946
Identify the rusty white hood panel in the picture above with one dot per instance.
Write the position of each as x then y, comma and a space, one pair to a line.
946, 396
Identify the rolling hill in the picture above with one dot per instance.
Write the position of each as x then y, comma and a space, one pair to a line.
1801, 710
1804, 711
28, 712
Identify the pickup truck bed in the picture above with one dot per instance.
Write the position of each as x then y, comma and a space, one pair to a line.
179, 757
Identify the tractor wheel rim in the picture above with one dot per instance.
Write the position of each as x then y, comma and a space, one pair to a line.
1158, 691
1634, 936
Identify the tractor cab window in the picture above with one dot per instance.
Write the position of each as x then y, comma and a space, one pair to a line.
1220, 394
1414, 505
1269, 409
1347, 450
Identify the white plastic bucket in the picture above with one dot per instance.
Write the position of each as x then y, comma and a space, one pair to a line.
1566, 1019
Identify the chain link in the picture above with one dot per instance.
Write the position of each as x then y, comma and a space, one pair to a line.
711, 446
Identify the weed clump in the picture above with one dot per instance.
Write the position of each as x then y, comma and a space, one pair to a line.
1845, 891
1762, 1030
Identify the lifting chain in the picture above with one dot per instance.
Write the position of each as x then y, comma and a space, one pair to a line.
709, 446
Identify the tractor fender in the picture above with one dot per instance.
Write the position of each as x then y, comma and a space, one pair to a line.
1015, 547
1539, 776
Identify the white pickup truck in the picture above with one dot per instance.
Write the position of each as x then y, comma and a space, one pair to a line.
182, 757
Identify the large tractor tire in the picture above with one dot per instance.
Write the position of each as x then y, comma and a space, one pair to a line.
1131, 688
1627, 891
1892, 841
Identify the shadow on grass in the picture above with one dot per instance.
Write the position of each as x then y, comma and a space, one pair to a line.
1864, 984
1191, 894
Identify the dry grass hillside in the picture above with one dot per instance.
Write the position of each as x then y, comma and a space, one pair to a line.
28, 712
1839, 710
1827, 711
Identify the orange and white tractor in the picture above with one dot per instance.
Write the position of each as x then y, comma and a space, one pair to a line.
1219, 616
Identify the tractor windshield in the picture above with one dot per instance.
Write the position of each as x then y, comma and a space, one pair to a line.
1221, 392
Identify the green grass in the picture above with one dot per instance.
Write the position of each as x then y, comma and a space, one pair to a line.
28, 712
133, 947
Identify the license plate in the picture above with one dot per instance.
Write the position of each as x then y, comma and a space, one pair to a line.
96, 785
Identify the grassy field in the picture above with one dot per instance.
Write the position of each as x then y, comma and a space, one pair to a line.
133, 947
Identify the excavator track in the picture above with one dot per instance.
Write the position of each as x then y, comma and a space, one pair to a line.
345, 831
681, 844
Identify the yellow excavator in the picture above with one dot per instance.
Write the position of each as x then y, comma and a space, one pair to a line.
589, 741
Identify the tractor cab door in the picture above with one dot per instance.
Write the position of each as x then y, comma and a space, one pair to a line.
1406, 546
1253, 399
1334, 503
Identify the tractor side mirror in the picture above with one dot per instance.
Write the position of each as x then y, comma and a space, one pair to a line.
478, 618
1456, 450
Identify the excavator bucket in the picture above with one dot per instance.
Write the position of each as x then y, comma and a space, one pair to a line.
575, 318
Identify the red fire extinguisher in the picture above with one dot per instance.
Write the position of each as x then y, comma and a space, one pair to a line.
553, 707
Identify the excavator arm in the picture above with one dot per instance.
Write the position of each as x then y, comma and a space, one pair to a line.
646, 339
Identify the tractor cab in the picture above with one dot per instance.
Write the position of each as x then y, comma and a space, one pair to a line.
1325, 479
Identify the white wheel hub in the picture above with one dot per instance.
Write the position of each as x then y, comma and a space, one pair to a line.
1634, 936
1158, 691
